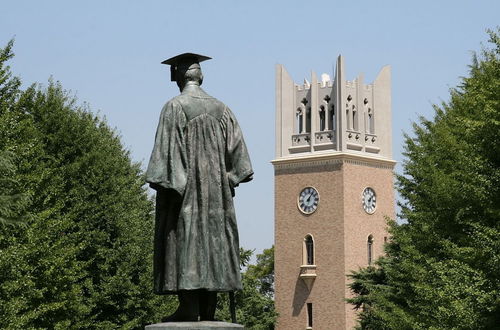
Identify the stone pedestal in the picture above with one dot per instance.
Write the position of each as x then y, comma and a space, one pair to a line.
202, 325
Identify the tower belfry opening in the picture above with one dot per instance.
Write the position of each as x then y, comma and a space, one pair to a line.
315, 125
333, 190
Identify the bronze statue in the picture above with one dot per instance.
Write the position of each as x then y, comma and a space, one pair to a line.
198, 159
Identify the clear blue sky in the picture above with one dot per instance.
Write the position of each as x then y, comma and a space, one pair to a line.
109, 52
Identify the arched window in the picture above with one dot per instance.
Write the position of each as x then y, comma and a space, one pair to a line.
370, 249
300, 120
331, 119
348, 114
308, 120
322, 116
354, 118
369, 119
308, 250
371, 122
348, 118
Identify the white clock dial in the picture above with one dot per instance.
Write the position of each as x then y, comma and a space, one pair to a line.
369, 200
308, 200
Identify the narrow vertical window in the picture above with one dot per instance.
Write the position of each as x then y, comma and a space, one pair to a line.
309, 250
368, 117
371, 122
322, 118
348, 118
309, 315
331, 119
308, 120
370, 249
300, 123
354, 118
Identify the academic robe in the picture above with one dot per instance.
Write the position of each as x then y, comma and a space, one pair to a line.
199, 157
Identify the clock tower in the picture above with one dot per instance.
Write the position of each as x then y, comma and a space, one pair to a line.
333, 192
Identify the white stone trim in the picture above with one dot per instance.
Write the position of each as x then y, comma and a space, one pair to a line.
315, 160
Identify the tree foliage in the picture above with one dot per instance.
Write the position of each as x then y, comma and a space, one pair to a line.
255, 303
13, 202
441, 269
83, 257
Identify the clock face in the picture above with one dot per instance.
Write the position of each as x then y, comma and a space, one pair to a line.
308, 200
369, 200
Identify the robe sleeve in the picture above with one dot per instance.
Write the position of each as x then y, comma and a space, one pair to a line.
238, 165
167, 166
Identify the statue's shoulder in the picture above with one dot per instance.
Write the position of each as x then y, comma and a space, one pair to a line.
175, 101
217, 103
172, 109
174, 104
215, 108
198, 102
214, 102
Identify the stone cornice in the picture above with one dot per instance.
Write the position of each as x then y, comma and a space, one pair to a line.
314, 160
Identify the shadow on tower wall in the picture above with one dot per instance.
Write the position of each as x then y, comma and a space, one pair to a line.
300, 295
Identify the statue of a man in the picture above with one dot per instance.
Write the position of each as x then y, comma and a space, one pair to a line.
199, 158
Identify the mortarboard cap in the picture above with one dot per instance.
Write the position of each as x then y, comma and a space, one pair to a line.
185, 59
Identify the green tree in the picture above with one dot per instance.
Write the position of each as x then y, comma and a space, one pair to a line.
441, 269
9, 85
12, 200
263, 271
255, 303
83, 258
13, 203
